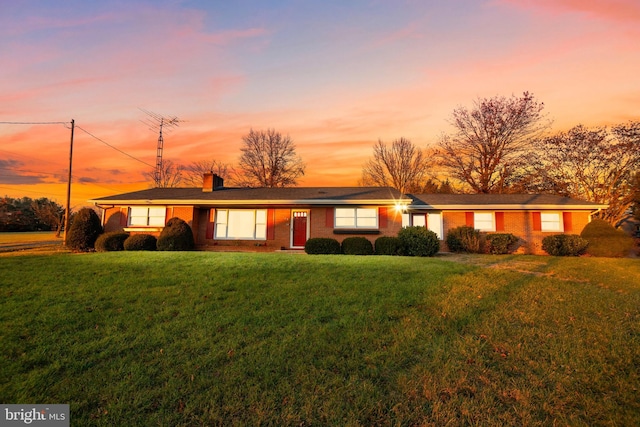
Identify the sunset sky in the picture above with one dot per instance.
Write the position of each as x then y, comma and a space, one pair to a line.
334, 75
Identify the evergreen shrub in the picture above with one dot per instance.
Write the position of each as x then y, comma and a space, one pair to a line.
387, 245
418, 241
84, 230
176, 236
464, 239
500, 243
357, 246
605, 241
140, 242
564, 245
322, 246
112, 241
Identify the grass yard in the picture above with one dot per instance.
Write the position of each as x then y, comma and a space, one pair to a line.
204, 338
28, 237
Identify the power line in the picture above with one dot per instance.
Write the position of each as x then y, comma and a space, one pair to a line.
115, 148
34, 123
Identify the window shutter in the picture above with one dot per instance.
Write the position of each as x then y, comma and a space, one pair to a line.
469, 219
329, 218
271, 224
382, 215
426, 221
567, 220
169, 214
499, 221
210, 223
123, 216
537, 221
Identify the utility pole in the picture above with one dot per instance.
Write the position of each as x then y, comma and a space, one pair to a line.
67, 213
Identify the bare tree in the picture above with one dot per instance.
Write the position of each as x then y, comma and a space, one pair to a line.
594, 164
49, 212
401, 165
193, 173
268, 160
486, 150
171, 175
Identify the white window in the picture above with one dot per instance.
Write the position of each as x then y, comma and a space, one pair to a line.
241, 224
550, 221
356, 218
147, 217
434, 223
483, 221
419, 220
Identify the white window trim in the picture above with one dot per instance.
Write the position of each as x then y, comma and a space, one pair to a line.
493, 221
357, 220
160, 220
559, 222
259, 226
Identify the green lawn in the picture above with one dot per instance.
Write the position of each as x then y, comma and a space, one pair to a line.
205, 338
28, 237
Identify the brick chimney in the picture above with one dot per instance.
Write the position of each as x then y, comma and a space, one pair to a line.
212, 182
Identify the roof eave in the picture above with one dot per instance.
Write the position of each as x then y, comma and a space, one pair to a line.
508, 207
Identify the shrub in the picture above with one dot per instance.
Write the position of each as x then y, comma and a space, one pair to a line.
464, 239
322, 246
84, 230
357, 246
386, 245
605, 241
176, 236
564, 245
113, 241
140, 242
418, 241
500, 243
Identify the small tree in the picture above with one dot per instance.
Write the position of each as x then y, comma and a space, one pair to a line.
605, 241
84, 230
269, 159
176, 236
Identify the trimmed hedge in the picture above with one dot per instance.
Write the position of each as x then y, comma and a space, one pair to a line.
140, 242
84, 230
500, 243
111, 242
322, 246
605, 241
564, 245
357, 246
387, 245
418, 241
464, 239
176, 236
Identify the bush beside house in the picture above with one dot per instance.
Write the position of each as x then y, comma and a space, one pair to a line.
500, 243
357, 246
605, 241
419, 241
387, 245
140, 242
112, 241
176, 236
84, 230
564, 245
464, 239
322, 246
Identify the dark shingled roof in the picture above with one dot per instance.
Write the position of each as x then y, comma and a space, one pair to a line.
501, 201
297, 195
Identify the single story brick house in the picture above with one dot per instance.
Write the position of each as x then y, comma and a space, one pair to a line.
285, 218
274, 218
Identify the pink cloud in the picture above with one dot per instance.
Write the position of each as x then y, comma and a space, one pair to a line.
612, 10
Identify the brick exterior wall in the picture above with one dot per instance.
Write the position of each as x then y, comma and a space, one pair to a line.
521, 225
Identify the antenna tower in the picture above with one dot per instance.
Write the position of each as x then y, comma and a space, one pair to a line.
157, 123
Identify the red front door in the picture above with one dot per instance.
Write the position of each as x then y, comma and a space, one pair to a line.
299, 228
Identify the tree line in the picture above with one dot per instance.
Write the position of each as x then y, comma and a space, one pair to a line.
26, 214
497, 145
